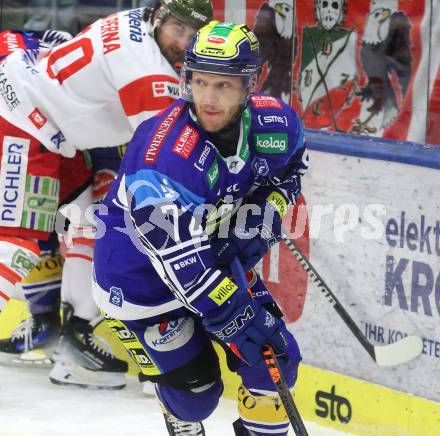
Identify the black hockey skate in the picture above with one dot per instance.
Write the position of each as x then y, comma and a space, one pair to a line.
84, 359
32, 342
176, 427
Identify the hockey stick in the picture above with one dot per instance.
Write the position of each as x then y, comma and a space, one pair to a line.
277, 376
273, 367
384, 355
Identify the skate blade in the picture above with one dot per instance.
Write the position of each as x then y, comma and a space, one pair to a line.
33, 358
67, 373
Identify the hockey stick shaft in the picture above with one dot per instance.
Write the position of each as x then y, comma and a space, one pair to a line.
329, 295
273, 367
276, 374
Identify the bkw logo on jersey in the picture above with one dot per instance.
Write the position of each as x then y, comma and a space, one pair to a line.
165, 89
181, 264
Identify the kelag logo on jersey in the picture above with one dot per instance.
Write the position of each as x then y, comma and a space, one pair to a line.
170, 335
213, 174
271, 143
165, 89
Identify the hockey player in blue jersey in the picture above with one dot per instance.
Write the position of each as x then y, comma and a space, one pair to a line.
207, 180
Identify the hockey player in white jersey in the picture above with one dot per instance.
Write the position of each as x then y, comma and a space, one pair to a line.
90, 92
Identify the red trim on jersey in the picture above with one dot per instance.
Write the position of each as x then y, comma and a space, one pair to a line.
81, 256
149, 93
9, 275
25, 233
4, 296
10, 41
23, 243
83, 241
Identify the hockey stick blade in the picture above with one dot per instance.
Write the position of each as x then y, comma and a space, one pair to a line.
397, 353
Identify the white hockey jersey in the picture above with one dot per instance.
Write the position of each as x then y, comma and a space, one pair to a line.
92, 91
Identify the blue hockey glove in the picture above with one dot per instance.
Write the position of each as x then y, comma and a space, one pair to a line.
246, 326
248, 250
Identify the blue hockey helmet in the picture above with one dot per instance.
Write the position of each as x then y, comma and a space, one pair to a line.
222, 48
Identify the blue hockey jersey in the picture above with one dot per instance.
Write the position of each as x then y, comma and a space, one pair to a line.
173, 190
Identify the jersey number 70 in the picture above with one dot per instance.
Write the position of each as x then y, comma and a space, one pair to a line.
70, 58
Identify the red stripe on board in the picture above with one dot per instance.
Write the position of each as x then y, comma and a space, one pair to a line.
433, 133
415, 12
219, 10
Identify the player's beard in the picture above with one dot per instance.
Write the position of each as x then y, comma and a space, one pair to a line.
173, 54
213, 119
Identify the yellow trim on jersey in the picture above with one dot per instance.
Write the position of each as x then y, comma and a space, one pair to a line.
134, 347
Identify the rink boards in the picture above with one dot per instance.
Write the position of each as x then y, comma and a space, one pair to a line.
374, 215
355, 406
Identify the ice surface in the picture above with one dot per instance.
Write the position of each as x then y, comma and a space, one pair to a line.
32, 406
